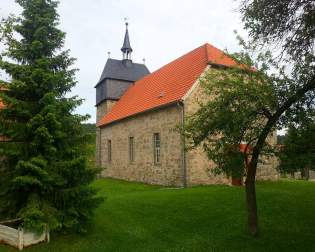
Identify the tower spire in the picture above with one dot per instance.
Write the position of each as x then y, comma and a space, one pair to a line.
126, 48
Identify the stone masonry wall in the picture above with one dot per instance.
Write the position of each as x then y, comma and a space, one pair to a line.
142, 127
266, 169
199, 167
312, 175
102, 109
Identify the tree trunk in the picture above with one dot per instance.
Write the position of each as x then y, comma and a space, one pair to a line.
252, 166
251, 202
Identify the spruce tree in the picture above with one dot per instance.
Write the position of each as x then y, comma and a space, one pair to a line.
45, 179
298, 150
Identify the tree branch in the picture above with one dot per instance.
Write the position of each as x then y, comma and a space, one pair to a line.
271, 121
266, 112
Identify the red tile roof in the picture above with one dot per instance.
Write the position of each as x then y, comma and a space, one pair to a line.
243, 147
166, 85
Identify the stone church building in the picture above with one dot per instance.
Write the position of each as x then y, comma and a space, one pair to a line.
138, 111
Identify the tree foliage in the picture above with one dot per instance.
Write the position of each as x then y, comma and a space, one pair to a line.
46, 178
287, 24
241, 101
298, 150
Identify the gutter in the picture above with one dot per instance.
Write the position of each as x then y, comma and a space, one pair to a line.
181, 105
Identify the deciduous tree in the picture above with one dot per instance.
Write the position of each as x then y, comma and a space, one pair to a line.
260, 95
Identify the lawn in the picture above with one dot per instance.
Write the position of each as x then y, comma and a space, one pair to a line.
137, 217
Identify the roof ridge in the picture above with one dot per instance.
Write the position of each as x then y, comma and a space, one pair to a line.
170, 63
207, 53
173, 61
224, 56
174, 80
176, 59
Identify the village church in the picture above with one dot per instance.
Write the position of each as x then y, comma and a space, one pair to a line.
138, 112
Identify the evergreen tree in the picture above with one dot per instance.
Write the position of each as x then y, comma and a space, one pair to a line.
46, 177
298, 151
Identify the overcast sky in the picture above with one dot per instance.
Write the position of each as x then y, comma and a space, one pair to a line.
160, 31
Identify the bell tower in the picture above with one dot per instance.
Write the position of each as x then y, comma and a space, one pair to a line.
116, 77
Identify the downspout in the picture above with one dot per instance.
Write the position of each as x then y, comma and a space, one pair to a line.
183, 151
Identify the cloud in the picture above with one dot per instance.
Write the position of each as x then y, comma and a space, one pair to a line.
160, 31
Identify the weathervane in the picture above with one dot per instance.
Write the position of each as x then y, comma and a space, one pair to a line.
126, 21
108, 53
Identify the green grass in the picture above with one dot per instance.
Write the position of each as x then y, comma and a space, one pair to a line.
137, 217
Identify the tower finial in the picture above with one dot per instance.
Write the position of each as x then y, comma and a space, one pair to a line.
126, 22
126, 48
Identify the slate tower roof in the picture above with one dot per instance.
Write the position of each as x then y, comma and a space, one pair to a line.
126, 46
122, 70
118, 75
